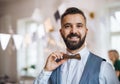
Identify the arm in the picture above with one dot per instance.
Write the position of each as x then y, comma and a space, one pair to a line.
117, 73
50, 65
43, 77
107, 74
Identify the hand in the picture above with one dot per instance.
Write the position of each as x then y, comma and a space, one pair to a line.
51, 63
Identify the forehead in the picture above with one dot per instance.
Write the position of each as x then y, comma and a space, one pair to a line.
112, 53
73, 18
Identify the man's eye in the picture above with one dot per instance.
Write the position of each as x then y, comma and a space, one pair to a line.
67, 26
79, 25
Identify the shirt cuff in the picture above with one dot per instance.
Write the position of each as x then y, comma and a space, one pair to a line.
46, 73
44, 76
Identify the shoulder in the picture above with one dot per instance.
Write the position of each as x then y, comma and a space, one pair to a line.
107, 73
106, 68
97, 57
118, 61
117, 65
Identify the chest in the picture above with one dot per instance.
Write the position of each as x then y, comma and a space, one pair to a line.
71, 72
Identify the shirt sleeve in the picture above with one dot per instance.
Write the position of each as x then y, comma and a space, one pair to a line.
107, 74
43, 77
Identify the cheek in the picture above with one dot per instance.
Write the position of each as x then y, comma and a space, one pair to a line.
110, 57
65, 33
83, 33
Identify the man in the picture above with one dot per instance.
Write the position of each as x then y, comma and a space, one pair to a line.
90, 69
114, 57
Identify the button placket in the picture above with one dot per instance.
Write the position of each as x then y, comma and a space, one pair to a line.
70, 70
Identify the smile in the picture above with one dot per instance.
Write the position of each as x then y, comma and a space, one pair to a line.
73, 38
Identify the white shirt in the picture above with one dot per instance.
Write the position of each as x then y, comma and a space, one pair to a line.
71, 71
73, 67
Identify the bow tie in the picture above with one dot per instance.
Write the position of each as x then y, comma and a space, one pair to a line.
76, 56
66, 56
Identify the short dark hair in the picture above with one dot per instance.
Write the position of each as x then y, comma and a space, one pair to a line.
73, 10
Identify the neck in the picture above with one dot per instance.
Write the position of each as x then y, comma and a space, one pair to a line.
77, 50
114, 61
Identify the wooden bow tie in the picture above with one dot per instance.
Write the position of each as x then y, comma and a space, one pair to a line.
76, 56
66, 56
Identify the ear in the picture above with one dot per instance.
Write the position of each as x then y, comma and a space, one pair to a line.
60, 30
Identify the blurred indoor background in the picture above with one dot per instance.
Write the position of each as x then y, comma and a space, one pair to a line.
29, 31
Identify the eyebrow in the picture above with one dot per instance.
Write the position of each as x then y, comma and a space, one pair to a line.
66, 24
70, 24
80, 23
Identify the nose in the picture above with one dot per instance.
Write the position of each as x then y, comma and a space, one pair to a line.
73, 29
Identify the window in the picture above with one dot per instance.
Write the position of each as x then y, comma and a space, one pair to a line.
115, 29
31, 51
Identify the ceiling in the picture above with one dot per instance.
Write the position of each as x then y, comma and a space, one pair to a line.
3, 2
6, 0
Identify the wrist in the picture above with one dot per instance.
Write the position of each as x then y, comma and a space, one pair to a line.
47, 69
46, 73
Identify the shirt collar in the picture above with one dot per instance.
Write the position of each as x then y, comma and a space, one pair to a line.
81, 52
84, 53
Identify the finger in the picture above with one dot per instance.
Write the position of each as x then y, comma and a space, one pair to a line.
62, 61
53, 56
62, 53
58, 54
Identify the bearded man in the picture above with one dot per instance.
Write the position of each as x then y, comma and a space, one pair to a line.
78, 65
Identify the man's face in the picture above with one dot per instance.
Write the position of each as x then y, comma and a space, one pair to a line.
73, 31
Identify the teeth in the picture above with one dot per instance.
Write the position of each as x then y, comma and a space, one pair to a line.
73, 36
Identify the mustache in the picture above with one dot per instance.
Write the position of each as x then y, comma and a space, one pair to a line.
73, 35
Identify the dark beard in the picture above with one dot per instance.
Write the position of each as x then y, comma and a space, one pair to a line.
73, 45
